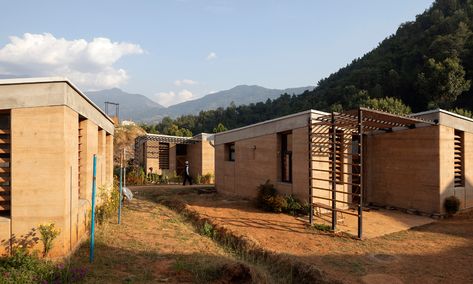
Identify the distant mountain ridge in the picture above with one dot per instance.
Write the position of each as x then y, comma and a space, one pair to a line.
131, 105
240, 95
142, 109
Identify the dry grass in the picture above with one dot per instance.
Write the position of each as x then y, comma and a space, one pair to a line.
436, 253
154, 244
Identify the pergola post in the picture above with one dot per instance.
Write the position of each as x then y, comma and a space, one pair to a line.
360, 157
334, 173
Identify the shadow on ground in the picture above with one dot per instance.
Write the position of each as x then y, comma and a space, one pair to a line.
435, 253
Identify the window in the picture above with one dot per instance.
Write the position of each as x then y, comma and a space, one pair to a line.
230, 151
338, 151
459, 159
286, 157
164, 156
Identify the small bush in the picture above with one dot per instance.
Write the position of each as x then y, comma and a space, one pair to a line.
48, 233
208, 230
278, 203
152, 178
135, 175
269, 200
293, 205
109, 202
452, 205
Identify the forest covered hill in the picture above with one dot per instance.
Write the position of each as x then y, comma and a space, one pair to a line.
426, 64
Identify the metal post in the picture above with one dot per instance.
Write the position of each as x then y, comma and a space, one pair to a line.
311, 194
334, 174
92, 226
124, 168
121, 191
360, 157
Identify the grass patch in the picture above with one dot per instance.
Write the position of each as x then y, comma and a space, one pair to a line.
322, 227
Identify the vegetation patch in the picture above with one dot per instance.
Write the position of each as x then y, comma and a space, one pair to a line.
452, 205
23, 267
270, 200
285, 268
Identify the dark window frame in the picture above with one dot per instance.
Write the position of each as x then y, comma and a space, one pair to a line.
230, 152
286, 158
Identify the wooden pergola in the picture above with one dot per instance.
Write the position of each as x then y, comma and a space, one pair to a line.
335, 145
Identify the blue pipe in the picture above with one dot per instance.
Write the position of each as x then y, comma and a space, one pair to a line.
92, 228
121, 195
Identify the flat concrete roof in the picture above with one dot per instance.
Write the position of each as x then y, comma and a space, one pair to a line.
51, 94
280, 124
447, 118
175, 139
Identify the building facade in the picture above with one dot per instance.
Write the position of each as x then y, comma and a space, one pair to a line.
49, 132
164, 154
412, 162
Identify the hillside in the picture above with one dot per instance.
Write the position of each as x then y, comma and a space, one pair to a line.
427, 63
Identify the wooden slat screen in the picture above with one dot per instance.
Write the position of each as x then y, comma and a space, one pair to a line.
5, 175
164, 156
459, 167
339, 149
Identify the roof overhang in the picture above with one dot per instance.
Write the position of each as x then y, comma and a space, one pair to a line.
372, 119
167, 139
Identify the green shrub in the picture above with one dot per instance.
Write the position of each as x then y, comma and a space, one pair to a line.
48, 233
109, 202
152, 178
135, 175
208, 230
452, 205
293, 205
23, 267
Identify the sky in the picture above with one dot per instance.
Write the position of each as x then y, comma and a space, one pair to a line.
178, 50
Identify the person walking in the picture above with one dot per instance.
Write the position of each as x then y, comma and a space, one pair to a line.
187, 176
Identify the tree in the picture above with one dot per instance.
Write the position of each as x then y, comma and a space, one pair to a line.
388, 104
174, 130
442, 81
463, 112
220, 128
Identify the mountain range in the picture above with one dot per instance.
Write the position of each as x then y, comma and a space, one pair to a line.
140, 108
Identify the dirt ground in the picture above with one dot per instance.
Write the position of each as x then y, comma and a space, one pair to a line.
154, 244
441, 252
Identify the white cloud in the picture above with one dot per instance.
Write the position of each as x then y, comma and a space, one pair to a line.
211, 56
185, 82
171, 98
89, 64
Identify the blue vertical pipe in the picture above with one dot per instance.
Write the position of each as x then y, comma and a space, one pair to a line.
121, 195
92, 226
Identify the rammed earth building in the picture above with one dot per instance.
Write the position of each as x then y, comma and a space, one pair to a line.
49, 132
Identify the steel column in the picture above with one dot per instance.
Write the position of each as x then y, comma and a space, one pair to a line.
309, 157
334, 174
360, 156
